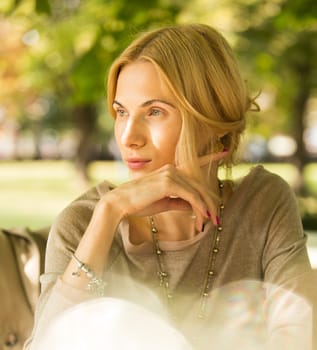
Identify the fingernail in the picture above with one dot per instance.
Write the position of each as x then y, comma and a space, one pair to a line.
217, 220
208, 214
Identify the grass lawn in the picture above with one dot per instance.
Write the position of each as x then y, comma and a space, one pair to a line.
33, 193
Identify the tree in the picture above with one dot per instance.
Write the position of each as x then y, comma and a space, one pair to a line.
77, 42
280, 44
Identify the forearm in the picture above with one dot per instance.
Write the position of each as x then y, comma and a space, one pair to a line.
95, 244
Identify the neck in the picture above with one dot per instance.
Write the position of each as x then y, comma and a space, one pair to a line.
173, 226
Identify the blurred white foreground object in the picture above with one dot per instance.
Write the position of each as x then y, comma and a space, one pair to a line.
111, 324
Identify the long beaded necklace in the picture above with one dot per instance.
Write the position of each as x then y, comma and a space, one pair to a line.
210, 271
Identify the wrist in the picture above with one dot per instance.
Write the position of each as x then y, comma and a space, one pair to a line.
109, 207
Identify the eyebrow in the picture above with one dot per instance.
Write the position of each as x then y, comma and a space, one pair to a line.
148, 103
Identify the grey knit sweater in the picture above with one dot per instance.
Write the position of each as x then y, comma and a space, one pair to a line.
262, 245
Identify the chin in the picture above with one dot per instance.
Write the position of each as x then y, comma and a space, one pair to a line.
133, 174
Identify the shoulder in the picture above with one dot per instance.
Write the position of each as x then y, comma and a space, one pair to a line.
265, 200
262, 195
82, 207
260, 182
85, 203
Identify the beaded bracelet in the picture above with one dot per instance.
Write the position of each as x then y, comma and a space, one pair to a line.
96, 284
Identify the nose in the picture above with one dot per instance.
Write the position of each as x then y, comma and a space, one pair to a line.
133, 133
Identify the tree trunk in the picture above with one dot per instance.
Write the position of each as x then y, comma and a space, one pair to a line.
85, 117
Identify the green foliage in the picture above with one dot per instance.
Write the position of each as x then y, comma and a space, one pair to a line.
42, 6
79, 41
279, 46
68, 49
275, 41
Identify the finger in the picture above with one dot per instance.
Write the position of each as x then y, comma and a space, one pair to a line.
165, 204
206, 159
180, 204
168, 182
197, 196
207, 196
191, 191
203, 203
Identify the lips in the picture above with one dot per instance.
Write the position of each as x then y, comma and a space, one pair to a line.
137, 163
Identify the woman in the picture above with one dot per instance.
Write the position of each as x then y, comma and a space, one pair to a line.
179, 106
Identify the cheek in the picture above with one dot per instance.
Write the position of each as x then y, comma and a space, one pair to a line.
117, 132
166, 140
172, 135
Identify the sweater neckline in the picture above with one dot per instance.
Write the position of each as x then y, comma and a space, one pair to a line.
147, 246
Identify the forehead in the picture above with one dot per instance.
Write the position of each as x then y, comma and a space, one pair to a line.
143, 79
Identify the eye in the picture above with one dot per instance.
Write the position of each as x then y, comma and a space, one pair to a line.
121, 112
156, 112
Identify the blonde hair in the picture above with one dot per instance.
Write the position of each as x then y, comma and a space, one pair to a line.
199, 67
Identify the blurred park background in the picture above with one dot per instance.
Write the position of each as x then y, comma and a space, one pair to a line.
55, 131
